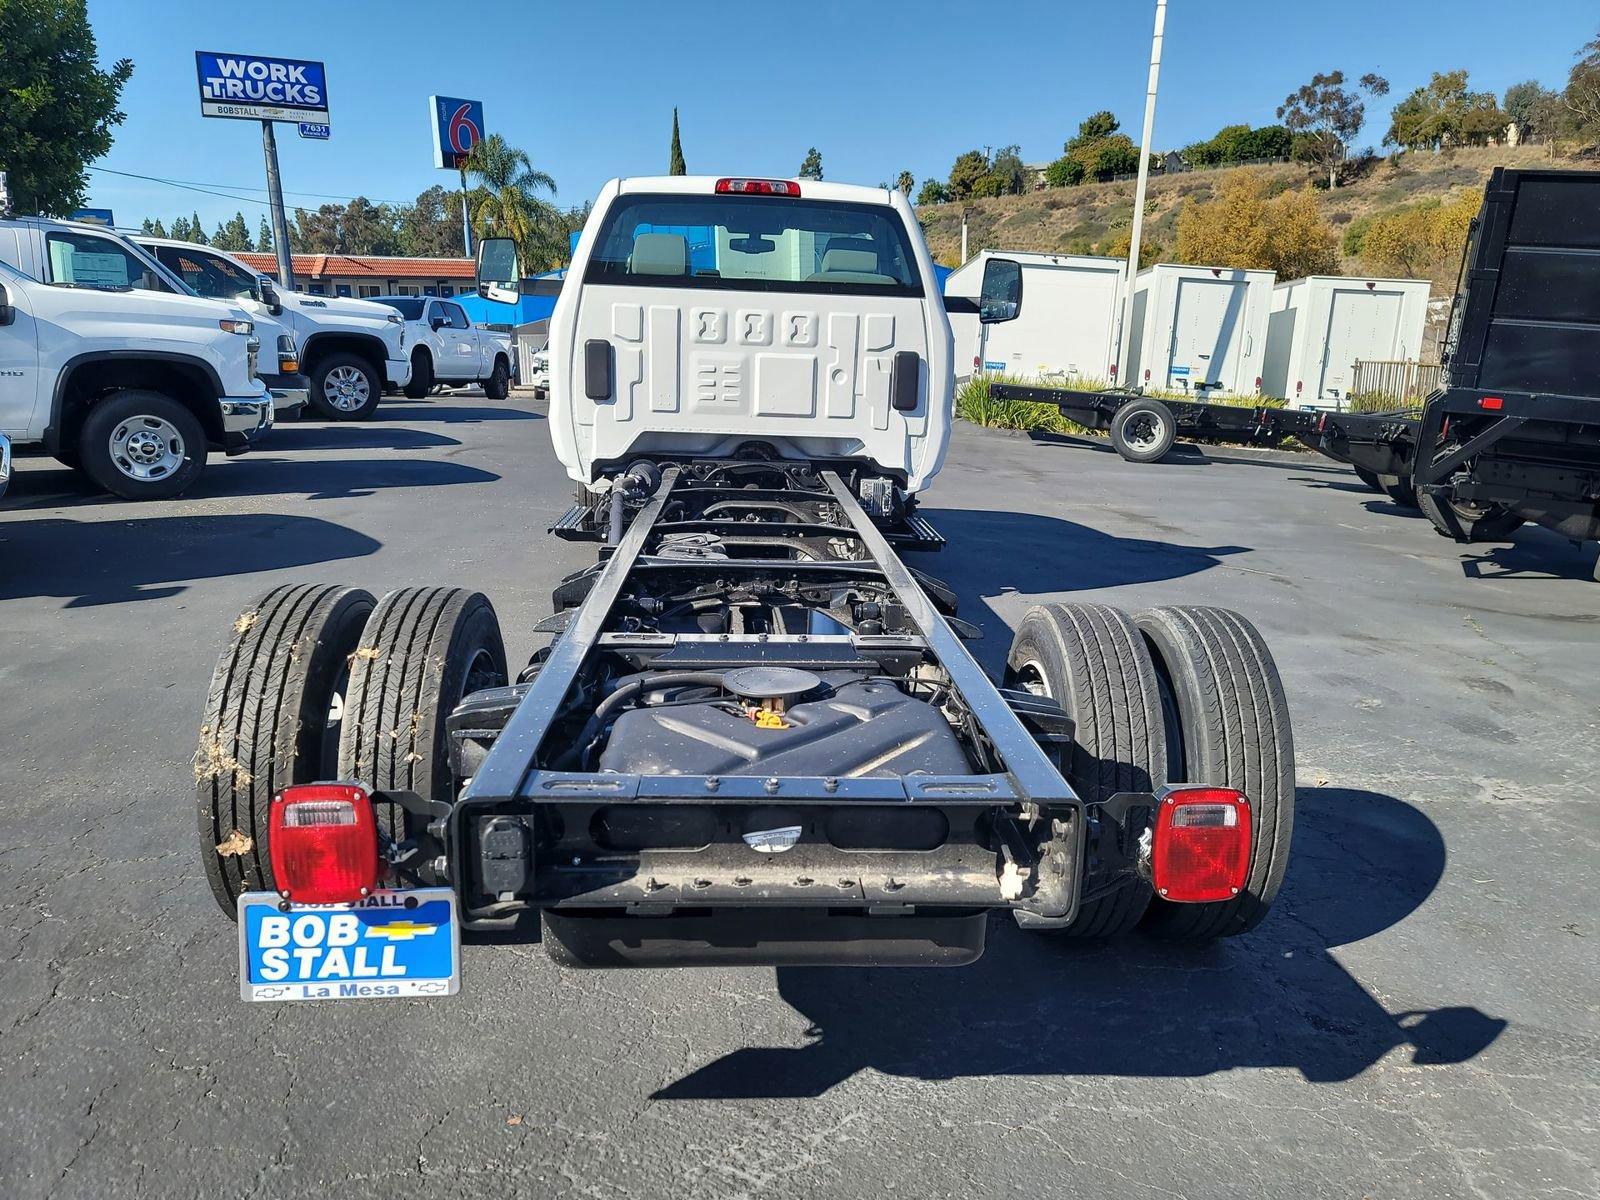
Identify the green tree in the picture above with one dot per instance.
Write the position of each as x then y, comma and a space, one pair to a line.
316, 232
675, 163
430, 226
1009, 173
264, 237
1445, 113
180, 230
933, 192
197, 231
1535, 109
1330, 115
233, 236
811, 165
1100, 125
1063, 172
57, 107
1100, 149
505, 202
965, 173
1241, 227
905, 182
148, 227
368, 228
1582, 95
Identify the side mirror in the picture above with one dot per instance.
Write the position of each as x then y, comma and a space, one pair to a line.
1001, 297
7, 313
498, 273
437, 323
269, 297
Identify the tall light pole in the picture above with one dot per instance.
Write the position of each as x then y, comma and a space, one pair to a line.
1139, 192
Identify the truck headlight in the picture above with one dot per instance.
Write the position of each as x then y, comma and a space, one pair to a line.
244, 328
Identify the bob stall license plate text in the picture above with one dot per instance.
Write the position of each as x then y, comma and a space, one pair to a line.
393, 943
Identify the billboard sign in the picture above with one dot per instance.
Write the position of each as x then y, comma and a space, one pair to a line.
457, 128
252, 88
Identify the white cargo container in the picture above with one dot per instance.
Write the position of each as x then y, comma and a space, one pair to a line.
1068, 326
1322, 325
1200, 330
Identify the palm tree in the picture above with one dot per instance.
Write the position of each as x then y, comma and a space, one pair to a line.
505, 201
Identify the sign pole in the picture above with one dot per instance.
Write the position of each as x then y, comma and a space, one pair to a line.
280, 221
466, 223
1123, 341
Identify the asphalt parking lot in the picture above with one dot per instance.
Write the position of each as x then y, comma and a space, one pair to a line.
1418, 1017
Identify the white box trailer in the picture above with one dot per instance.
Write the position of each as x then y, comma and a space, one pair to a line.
1321, 326
1068, 326
1200, 330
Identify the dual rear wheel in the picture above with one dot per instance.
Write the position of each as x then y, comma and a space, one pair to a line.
1169, 695
321, 682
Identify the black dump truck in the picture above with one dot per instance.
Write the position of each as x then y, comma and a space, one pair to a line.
756, 735
1514, 435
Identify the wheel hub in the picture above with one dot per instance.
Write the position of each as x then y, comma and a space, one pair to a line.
346, 388
146, 448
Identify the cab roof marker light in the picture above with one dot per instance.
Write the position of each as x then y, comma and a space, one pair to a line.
758, 187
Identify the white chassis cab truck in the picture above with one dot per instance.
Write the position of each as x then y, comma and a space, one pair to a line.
113, 370
448, 349
352, 351
757, 735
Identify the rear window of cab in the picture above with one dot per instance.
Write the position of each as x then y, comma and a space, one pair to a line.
754, 244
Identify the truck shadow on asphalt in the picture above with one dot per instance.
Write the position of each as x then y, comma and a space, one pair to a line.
306, 435
990, 553
1036, 1005
452, 414
91, 563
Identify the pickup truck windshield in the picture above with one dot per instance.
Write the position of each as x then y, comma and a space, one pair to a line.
409, 307
88, 260
209, 275
754, 243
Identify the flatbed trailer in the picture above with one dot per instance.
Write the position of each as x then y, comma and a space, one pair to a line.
1514, 435
1144, 428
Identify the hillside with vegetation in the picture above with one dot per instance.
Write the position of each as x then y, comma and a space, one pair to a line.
1297, 197
1404, 216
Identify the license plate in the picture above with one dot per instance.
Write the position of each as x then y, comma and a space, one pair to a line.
394, 943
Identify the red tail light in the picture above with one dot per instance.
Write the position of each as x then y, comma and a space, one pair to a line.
1201, 847
323, 843
1492, 403
758, 187
1258, 383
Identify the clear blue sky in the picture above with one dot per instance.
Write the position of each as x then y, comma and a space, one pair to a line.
877, 85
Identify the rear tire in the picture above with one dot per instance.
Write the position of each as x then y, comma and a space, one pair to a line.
1369, 478
142, 445
1092, 661
422, 651
270, 720
1399, 489
421, 381
1143, 431
498, 385
1463, 522
1224, 696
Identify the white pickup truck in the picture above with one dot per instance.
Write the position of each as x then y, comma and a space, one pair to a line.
447, 348
113, 370
351, 350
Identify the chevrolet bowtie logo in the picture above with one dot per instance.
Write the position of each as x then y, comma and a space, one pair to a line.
400, 931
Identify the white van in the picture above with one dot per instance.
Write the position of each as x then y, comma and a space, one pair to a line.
707, 317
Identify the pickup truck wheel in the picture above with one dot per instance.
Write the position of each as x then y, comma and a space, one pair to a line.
1092, 660
1399, 489
422, 651
1223, 694
1369, 478
271, 719
1464, 522
498, 385
421, 381
142, 445
1143, 431
344, 387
